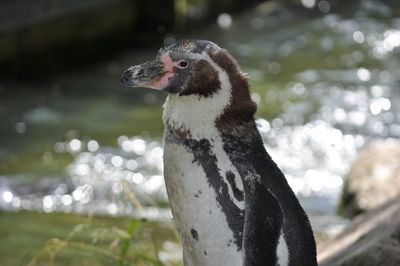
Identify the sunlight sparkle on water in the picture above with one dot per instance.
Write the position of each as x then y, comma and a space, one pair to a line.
263, 125
75, 145
308, 3
48, 203
363, 74
7, 196
154, 183
313, 157
16, 202
112, 208
358, 37
154, 158
137, 178
95, 174
135, 145
139, 146
379, 104
117, 161
67, 200
117, 188
131, 165
391, 40
224, 20
82, 169
93, 146
77, 194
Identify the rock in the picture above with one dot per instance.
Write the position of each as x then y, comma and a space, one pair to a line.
371, 239
374, 178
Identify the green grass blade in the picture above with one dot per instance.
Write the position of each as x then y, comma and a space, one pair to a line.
126, 241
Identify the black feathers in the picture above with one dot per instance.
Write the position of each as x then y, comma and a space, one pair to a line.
271, 207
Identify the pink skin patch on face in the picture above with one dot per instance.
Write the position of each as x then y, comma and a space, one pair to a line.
168, 72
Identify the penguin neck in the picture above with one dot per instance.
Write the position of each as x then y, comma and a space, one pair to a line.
183, 118
196, 115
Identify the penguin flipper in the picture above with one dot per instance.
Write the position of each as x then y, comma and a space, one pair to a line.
262, 224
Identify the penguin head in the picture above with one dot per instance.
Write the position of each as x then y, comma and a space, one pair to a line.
207, 90
182, 68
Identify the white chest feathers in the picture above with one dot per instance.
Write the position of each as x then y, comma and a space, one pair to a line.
201, 219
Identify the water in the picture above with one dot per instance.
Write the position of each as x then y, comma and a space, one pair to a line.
326, 85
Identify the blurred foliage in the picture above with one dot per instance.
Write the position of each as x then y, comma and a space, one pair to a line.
69, 239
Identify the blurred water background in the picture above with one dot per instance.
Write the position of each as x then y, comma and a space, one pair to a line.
326, 83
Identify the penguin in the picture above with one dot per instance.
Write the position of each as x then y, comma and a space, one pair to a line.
230, 202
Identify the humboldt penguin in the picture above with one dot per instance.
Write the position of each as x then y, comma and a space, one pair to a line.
230, 202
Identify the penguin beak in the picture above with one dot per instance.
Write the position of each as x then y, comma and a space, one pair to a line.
143, 75
153, 74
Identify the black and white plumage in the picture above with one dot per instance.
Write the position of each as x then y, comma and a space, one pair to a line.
230, 202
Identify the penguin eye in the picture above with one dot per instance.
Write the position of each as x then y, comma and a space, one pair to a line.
183, 64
